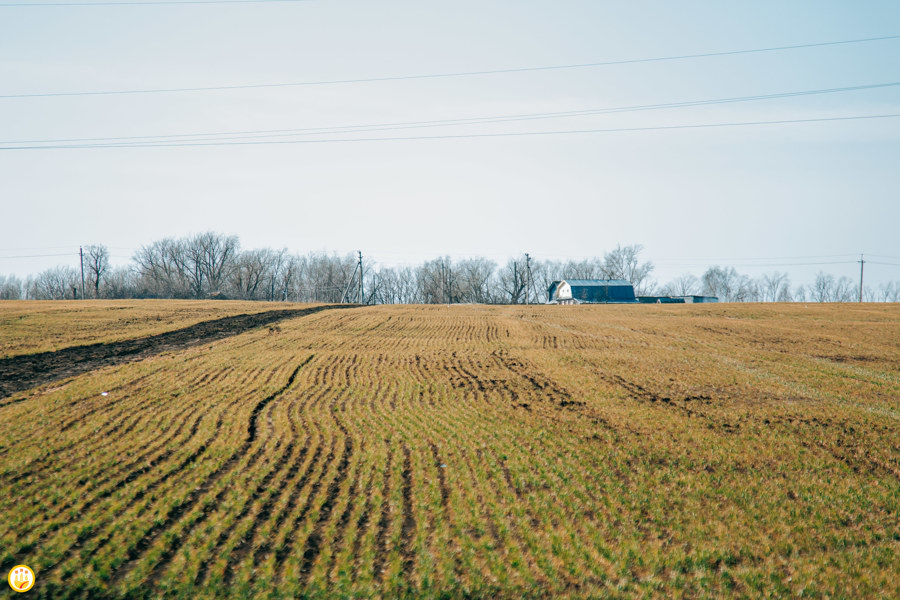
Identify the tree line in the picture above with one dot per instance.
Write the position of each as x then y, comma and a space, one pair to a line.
212, 265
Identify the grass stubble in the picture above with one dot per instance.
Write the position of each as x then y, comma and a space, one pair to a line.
466, 451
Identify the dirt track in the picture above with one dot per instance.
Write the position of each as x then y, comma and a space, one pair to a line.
24, 372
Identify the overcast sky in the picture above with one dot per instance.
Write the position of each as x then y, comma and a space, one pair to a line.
758, 197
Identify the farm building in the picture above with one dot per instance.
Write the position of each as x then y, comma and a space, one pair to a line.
697, 299
676, 299
591, 291
659, 300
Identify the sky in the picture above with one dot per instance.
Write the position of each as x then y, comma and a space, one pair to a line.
382, 164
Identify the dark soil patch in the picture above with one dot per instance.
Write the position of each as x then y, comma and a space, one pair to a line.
20, 373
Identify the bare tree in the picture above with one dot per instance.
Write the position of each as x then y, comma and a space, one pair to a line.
823, 288
161, 269
845, 290
721, 282
747, 290
283, 270
775, 286
890, 292
684, 285
121, 282
217, 254
323, 277
543, 273
10, 287
96, 263
473, 280
249, 273
58, 283
624, 263
512, 281
432, 281
584, 269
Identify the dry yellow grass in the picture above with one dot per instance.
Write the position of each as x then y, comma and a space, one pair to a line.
33, 326
471, 451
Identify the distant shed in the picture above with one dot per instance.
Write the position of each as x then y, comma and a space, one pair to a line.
698, 299
591, 291
660, 300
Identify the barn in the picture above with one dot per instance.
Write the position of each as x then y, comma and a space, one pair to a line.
591, 291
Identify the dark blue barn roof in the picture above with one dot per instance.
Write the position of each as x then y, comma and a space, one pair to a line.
597, 290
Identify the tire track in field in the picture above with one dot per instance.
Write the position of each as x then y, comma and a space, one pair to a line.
273, 471
62, 407
543, 386
313, 544
193, 497
286, 548
363, 520
264, 548
408, 526
242, 548
44, 459
384, 521
343, 521
446, 513
90, 450
140, 494
638, 392
93, 484
272, 498
20, 373
150, 465
320, 377
515, 531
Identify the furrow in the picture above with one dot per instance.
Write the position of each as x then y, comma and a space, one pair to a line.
192, 498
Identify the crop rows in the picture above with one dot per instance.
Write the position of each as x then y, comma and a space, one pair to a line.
472, 451
35, 326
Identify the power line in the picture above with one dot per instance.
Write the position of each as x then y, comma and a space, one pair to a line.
36, 255
33, 248
146, 2
268, 133
765, 258
762, 265
450, 137
439, 75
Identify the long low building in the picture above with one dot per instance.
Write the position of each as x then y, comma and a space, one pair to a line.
591, 291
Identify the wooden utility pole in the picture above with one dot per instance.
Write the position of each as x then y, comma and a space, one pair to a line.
862, 263
359, 293
515, 282
352, 280
81, 257
527, 275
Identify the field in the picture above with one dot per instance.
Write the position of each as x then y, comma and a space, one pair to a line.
33, 326
461, 451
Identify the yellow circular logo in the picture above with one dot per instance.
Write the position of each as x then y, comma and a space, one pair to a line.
21, 578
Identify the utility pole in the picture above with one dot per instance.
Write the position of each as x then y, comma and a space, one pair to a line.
515, 282
527, 275
352, 280
359, 293
81, 257
862, 263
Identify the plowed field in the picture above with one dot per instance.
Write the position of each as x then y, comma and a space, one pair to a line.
470, 451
